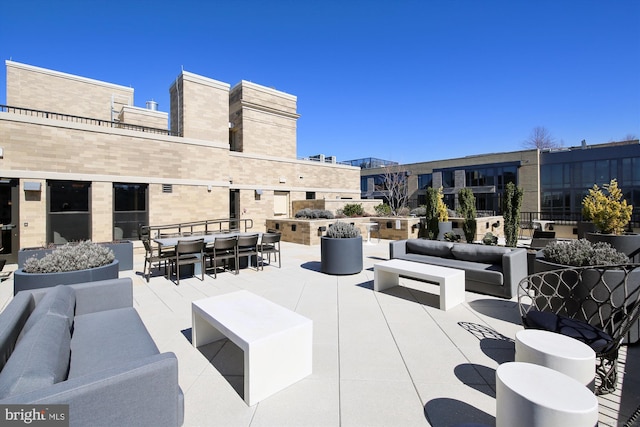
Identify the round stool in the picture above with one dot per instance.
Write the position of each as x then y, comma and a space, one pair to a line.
558, 352
529, 395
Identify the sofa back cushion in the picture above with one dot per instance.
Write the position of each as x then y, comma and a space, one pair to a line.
40, 359
12, 320
429, 247
58, 301
479, 253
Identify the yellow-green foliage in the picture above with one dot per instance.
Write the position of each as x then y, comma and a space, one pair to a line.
610, 213
443, 213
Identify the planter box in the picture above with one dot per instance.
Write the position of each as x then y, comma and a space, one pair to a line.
629, 244
123, 252
25, 281
341, 256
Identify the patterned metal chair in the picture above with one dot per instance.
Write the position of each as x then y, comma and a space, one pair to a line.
596, 305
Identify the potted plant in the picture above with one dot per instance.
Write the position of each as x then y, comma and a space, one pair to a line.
67, 264
341, 249
610, 214
467, 210
122, 250
444, 225
511, 214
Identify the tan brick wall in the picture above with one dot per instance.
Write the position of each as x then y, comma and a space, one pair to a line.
200, 108
40, 89
264, 119
143, 117
187, 203
101, 211
33, 212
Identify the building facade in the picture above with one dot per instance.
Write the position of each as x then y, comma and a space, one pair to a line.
79, 161
554, 181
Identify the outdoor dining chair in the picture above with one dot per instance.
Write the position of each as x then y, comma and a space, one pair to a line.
248, 247
150, 258
223, 249
595, 305
189, 252
270, 244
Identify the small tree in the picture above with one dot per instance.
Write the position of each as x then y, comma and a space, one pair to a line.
467, 210
511, 214
430, 230
610, 213
395, 181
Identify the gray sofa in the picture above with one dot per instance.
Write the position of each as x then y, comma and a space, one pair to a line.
491, 270
85, 345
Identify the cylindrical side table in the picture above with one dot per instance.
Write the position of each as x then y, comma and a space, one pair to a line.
529, 395
558, 352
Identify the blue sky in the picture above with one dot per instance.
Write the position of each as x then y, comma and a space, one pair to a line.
401, 80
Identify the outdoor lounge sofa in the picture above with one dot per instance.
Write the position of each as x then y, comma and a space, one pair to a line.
490, 270
85, 345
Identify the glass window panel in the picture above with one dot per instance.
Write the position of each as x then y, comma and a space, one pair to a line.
130, 197
68, 196
602, 172
588, 174
425, 181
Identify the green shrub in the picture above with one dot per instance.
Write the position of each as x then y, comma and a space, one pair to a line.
450, 236
71, 257
353, 209
490, 239
582, 252
419, 211
383, 209
467, 210
342, 230
314, 213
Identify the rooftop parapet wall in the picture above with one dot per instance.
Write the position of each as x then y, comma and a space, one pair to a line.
41, 89
143, 117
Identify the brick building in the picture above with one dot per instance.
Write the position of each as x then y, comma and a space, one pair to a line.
79, 161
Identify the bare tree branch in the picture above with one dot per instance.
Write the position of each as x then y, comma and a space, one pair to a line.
395, 181
540, 138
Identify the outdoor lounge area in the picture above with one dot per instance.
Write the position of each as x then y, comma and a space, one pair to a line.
389, 358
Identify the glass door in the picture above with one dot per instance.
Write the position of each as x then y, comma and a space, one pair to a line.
9, 214
234, 209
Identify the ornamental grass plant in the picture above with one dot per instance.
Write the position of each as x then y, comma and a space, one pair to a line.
582, 252
342, 230
71, 257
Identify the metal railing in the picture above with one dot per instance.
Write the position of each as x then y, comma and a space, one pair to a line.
209, 226
84, 120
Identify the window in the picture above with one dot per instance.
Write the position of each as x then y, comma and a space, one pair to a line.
69, 214
311, 195
425, 181
129, 209
448, 179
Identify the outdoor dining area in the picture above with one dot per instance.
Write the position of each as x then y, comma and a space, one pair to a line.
206, 247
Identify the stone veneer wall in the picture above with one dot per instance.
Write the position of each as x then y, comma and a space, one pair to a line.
143, 117
41, 89
264, 120
334, 204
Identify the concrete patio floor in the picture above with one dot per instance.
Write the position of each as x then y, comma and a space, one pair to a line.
379, 359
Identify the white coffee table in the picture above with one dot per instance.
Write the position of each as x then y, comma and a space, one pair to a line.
451, 281
276, 341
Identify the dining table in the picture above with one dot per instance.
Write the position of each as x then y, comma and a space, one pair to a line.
172, 241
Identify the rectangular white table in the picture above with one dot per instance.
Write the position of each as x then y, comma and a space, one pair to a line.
277, 342
451, 281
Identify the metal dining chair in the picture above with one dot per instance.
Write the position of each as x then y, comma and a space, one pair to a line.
248, 247
150, 258
189, 252
223, 249
270, 244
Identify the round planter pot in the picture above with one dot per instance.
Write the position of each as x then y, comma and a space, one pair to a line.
629, 244
341, 256
25, 281
584, 227
444, 227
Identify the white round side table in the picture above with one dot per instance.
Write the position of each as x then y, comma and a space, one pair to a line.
558, 352
529, 395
